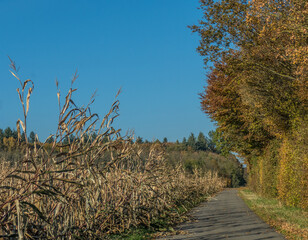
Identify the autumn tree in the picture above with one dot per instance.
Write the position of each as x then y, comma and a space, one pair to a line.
254, 79
9, 143
257, 86
223, 102
255, 38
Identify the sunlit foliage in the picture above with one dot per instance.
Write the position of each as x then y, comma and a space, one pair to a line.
257, 88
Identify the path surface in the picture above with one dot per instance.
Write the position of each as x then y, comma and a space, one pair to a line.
225, 216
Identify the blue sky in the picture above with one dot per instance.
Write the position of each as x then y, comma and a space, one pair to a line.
141, 46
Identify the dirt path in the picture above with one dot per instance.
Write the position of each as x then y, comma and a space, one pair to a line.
225, 216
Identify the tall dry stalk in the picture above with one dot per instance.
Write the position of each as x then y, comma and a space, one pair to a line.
90, 181
25, 102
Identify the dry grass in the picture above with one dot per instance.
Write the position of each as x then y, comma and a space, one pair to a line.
73, 191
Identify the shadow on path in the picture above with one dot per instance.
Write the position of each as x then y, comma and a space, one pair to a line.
225, 216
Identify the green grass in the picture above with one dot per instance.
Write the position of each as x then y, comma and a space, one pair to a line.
290, 221
158, 227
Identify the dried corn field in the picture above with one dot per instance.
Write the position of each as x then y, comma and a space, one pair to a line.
98, 184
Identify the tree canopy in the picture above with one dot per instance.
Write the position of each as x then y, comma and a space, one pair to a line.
256, 90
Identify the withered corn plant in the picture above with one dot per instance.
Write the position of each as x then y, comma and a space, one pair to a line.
90, 182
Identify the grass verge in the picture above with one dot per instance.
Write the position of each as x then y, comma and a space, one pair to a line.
292, 222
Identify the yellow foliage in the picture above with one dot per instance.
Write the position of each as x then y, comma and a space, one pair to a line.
293, 174
9, 143
282, 170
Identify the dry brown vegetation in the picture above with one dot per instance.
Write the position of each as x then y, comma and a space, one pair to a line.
73, 191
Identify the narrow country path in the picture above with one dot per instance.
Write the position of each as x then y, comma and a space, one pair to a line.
225, 216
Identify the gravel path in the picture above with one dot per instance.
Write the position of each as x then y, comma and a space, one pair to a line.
225, 216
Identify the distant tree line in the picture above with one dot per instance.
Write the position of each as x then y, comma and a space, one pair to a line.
9, 138
202, 153
214, 142
201, 143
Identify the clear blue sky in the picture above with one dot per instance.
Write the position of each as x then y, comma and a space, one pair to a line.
143, 46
